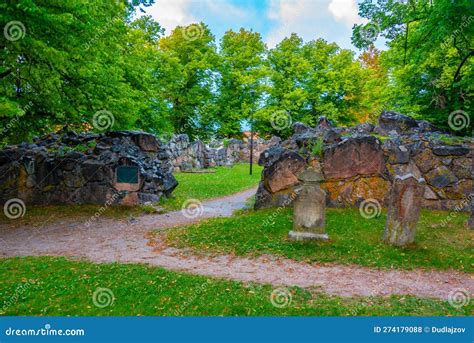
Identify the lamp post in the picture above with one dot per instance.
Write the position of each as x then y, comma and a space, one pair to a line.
252, 97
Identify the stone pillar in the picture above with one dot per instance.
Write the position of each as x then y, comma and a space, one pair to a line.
309, 208
404, 204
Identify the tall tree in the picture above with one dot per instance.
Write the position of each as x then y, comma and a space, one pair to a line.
242, 74
192, 60
62, 62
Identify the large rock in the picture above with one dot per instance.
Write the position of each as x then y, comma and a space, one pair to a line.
404, 205
342, 193
146, 142
393, 121
279, 177
359, 167
447, 150
426, 160
441, 177
355, 156
463, 168
283, 173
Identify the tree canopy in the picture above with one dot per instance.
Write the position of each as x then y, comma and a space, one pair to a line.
96, 65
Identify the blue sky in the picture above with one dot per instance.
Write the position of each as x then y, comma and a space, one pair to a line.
274, 19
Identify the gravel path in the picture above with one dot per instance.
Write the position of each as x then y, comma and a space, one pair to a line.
111, 240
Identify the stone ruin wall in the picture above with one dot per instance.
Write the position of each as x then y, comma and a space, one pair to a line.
186, 155
70, 168
359, 163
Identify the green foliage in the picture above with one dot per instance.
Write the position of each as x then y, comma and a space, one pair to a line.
76, 58
311, 79
430, 54
61, 287
317, 147
224, 181
242, 71
189, 67
353, 239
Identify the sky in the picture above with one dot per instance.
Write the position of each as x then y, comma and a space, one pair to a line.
331, 20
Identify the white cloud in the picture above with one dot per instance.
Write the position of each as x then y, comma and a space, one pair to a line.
345, 11
304, 17
312, 19
171, 13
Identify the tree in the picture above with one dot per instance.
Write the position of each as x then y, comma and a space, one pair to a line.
62, 64
430, 57
243, 71
191, 66
309, 80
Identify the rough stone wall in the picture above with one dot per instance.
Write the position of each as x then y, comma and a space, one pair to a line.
359, 164
186, 155
70, 168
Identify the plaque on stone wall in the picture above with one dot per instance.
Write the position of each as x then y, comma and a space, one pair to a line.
127, 174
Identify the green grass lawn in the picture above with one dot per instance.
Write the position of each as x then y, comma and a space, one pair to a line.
225, 181
47, 286
353, 239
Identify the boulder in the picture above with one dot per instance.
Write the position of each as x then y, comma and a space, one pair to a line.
450, 150
352, 192
146, 142
427, 127
270, 156
441, 177
283, 173
324, 123
426, 160
463, 168
393, 121
354, 156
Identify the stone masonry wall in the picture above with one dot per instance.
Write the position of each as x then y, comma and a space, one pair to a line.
186, 155
70, 168
360, 162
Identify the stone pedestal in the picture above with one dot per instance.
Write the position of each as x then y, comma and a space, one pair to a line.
309, 209
404, 205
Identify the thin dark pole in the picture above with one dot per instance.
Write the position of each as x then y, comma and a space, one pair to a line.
251, 142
